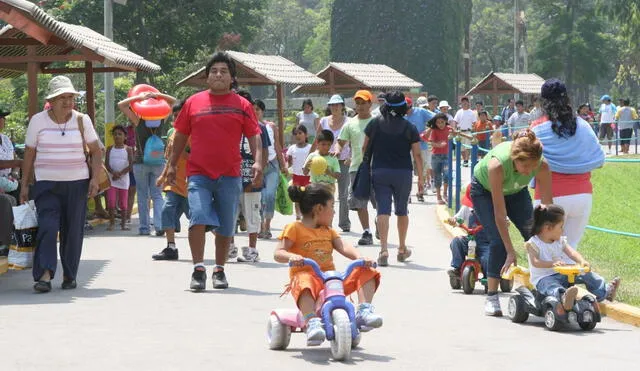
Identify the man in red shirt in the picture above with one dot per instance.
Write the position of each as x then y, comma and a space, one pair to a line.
215, 119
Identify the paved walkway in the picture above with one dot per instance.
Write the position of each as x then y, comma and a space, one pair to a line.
131, 313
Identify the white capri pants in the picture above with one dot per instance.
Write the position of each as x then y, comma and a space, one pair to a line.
577, 210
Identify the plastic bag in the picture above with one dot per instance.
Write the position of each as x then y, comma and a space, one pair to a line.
284, 205
23, 241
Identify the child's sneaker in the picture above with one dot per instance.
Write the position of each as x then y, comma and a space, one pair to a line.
492, 306
233, 252
612, 289
249, 255
569, 297
366, 319
315, 332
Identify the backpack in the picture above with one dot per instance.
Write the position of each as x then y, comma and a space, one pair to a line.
153, 150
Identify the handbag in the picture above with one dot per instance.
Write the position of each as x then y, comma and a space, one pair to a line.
362, 182
104, 181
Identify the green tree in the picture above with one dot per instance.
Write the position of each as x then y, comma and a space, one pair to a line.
491, 37
421, 38
571, 43
316, 51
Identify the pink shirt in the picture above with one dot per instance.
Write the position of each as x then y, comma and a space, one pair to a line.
59, 157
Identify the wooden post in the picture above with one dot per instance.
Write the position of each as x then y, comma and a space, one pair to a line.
280, 107
332, 83
91, 104
32, 81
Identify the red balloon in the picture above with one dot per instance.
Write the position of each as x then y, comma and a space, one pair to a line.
150, 108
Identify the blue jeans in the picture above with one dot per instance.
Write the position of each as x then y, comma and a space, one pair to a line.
519, 211
174, 206
271, 180
460, 247
213, 202
556, 284
146, 187
439, 165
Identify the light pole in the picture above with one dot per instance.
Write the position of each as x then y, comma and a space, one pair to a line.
109, 110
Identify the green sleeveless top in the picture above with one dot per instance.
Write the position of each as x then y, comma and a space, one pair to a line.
513, 181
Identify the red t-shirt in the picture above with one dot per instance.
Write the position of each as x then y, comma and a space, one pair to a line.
216, 124
437, 136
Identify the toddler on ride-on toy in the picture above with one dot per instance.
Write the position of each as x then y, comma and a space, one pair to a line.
466, 219
548, 249
313, 238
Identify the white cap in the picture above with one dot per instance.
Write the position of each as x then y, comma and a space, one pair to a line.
444, 103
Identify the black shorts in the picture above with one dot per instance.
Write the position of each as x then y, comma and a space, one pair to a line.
625, 136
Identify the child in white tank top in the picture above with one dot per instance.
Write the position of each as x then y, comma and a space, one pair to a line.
118, 162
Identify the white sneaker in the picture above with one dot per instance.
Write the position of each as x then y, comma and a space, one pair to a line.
492, 306
233, 252
249, 255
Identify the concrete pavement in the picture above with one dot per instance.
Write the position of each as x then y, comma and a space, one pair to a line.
131, 313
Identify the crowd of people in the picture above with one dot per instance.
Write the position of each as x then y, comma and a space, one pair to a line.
552, 145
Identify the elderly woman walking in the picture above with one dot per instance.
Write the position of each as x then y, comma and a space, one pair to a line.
54, 149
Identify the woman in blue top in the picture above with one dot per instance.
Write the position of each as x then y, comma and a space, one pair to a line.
393, 139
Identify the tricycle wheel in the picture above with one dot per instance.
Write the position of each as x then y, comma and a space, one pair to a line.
341, 344
588, 326
516, 309
551, 321
506, 285
454, 281
278, 334
468, 279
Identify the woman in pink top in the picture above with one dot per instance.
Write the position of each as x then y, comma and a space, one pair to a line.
572, 151
54, 150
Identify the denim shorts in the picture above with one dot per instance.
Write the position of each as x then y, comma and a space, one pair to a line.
213, 202
392, 186
173, 208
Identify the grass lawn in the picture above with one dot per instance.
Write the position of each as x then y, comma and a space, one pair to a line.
616, 205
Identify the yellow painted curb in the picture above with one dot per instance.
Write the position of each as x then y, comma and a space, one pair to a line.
4, 265
618, 311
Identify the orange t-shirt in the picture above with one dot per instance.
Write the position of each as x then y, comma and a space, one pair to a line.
312, 243
181, 169
481, 126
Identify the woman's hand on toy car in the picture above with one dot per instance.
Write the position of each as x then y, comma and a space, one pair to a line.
558, 263
510, 260
585, 263
296, 260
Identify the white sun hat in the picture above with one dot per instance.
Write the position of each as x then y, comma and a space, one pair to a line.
60, 85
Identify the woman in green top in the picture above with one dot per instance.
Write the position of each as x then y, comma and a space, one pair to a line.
499, 190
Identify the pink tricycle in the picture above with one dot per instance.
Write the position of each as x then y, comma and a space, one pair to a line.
337, 314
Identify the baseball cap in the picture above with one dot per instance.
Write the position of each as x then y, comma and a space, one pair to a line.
422, 101
466, 199
364, 95
409, 101
605, 97
497, 118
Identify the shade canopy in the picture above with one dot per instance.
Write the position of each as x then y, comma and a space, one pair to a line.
33, 40
255, 69
349, 77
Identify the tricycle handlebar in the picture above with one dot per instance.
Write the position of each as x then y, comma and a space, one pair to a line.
316, 268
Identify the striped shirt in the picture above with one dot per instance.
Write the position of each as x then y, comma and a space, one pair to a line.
59, 157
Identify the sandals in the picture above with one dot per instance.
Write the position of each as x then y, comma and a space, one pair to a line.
403, 255
383, 258
42, 286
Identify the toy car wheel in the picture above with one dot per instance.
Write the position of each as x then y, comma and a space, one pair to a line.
468, 279
506, 285
278, 334
551, 321
455, 283
588, 325
516, 309
341, 344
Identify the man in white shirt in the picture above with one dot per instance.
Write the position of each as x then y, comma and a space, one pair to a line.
607, 115
519, 119
463, 121
376, 112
